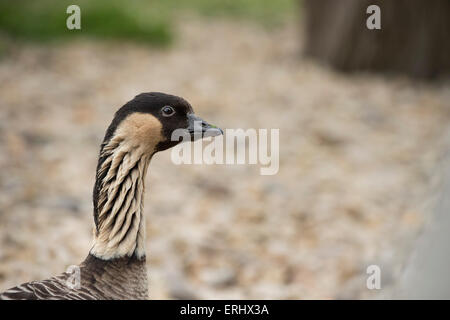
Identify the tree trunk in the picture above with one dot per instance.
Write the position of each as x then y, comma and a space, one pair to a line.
413, 39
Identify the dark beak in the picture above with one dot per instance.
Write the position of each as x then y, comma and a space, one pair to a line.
199, 128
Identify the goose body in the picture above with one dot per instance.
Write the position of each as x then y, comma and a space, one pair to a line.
116, 279
115, 267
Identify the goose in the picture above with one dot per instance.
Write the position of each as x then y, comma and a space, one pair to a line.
115, 267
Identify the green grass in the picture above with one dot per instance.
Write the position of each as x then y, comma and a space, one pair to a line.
45, 20
265, 12
143, 21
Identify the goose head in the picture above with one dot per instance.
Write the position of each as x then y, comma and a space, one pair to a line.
151, 119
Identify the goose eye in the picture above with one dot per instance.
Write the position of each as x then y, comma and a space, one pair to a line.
167, 111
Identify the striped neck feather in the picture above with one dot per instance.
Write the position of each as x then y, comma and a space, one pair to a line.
118, 200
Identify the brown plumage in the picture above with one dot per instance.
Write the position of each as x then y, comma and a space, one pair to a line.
115, 267
121, 278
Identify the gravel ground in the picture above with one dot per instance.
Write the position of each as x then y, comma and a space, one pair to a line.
357, 179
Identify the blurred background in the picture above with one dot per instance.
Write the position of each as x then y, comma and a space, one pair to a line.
364, 132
